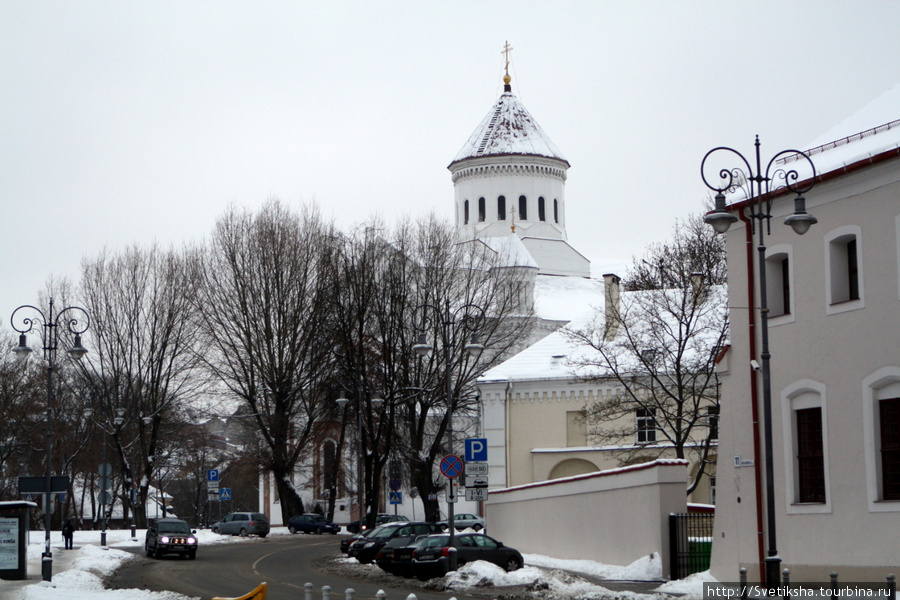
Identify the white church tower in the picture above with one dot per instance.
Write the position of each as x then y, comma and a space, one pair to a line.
509, 178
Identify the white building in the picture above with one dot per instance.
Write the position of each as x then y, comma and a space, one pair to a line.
834, 337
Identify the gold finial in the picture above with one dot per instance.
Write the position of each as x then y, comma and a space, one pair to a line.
506, 50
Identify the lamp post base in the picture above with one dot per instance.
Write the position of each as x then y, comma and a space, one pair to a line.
47, 566
773, 572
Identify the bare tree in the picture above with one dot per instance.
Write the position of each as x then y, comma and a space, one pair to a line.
261, 301
660, 345
144, 352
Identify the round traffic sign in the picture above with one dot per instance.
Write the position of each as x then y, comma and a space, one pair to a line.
395, 485
451, 466
105, 469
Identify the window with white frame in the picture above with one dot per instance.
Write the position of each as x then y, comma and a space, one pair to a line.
844, 267
806, 443
881, 437
778, 283
481, 209
646, 425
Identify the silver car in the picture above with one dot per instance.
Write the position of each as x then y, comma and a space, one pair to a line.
466, 521
243, 524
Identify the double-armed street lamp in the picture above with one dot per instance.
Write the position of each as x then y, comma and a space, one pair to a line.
76, 321
469, 319
761, 188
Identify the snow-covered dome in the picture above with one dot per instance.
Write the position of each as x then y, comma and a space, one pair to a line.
508, 129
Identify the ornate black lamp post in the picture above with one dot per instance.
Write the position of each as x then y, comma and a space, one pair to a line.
469, 319
761, 188
48, 327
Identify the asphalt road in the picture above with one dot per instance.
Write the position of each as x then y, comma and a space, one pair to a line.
285, 562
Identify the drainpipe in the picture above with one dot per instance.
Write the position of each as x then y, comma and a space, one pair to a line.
509, 387
754, 392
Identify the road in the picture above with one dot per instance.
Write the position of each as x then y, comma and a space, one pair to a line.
285, 562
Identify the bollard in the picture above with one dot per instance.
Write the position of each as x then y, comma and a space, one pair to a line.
743, 582
411, 597
308, 587
348, 593
786, 577
326, 592
380, 595
834, 582
892, 585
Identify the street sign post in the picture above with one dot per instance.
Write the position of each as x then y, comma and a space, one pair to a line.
451, 466
225, 494
396, 497
476, 481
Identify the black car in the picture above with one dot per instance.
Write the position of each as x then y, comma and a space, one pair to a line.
431, 558
401, 537
312, 523
348, 541
170, 536
366, 549
380, 519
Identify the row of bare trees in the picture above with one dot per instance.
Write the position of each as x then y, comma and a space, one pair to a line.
272, 318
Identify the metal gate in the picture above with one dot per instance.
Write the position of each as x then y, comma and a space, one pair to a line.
690, 543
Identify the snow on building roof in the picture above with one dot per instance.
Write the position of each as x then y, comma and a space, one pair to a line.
566, 298
511, 250
509, 129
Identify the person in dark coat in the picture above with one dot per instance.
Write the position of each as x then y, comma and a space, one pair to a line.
68, 532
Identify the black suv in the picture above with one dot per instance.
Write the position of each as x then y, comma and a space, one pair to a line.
366, 549
170, 536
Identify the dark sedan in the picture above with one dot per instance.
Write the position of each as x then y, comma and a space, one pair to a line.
366, 549
170, 536
431, 558
380, 519
312, 523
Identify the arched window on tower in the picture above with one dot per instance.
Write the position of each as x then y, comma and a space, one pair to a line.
555, 210
501, 208
523, 208
466, 212
481, 210
542, 215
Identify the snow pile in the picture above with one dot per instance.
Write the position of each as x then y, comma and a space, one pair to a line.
648, 568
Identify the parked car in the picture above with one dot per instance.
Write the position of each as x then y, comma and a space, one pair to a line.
366, 549
431, 557
170, 536
312, 523
348, 541
380, 519
465, 521
243, 524
399, 537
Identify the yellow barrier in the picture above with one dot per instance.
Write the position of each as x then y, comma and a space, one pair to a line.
258, 593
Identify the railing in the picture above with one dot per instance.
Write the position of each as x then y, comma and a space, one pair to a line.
690, 543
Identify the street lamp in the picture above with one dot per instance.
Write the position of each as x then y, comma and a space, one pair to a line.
470, 318
761, 189
342, 402
48, 329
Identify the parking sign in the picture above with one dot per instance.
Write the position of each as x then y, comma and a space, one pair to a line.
476, 450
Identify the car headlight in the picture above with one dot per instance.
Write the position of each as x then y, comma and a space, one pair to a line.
369, 545
164, 539
192, 540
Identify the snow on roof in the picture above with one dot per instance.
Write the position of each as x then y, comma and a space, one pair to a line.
511, 250
560, 298
508, 129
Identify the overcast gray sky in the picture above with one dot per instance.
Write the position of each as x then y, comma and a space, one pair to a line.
130, 121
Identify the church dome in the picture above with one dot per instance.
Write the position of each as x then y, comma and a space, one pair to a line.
508, 130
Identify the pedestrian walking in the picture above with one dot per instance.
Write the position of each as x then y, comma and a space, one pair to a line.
68, 532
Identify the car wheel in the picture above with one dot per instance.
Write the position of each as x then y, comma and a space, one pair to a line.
150, 553
513, 564
192, 555
215, 530
292, 529
477, 526
263, 535
243, 532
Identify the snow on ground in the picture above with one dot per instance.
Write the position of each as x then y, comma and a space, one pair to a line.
78, 574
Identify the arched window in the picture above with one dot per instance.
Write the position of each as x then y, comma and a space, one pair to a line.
466, 213
542, 215
501, 208
523, 208
481, 210
555, 210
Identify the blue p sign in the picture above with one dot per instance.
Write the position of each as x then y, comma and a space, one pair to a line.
476, 450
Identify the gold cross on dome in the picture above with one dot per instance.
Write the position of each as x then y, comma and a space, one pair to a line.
506, 50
